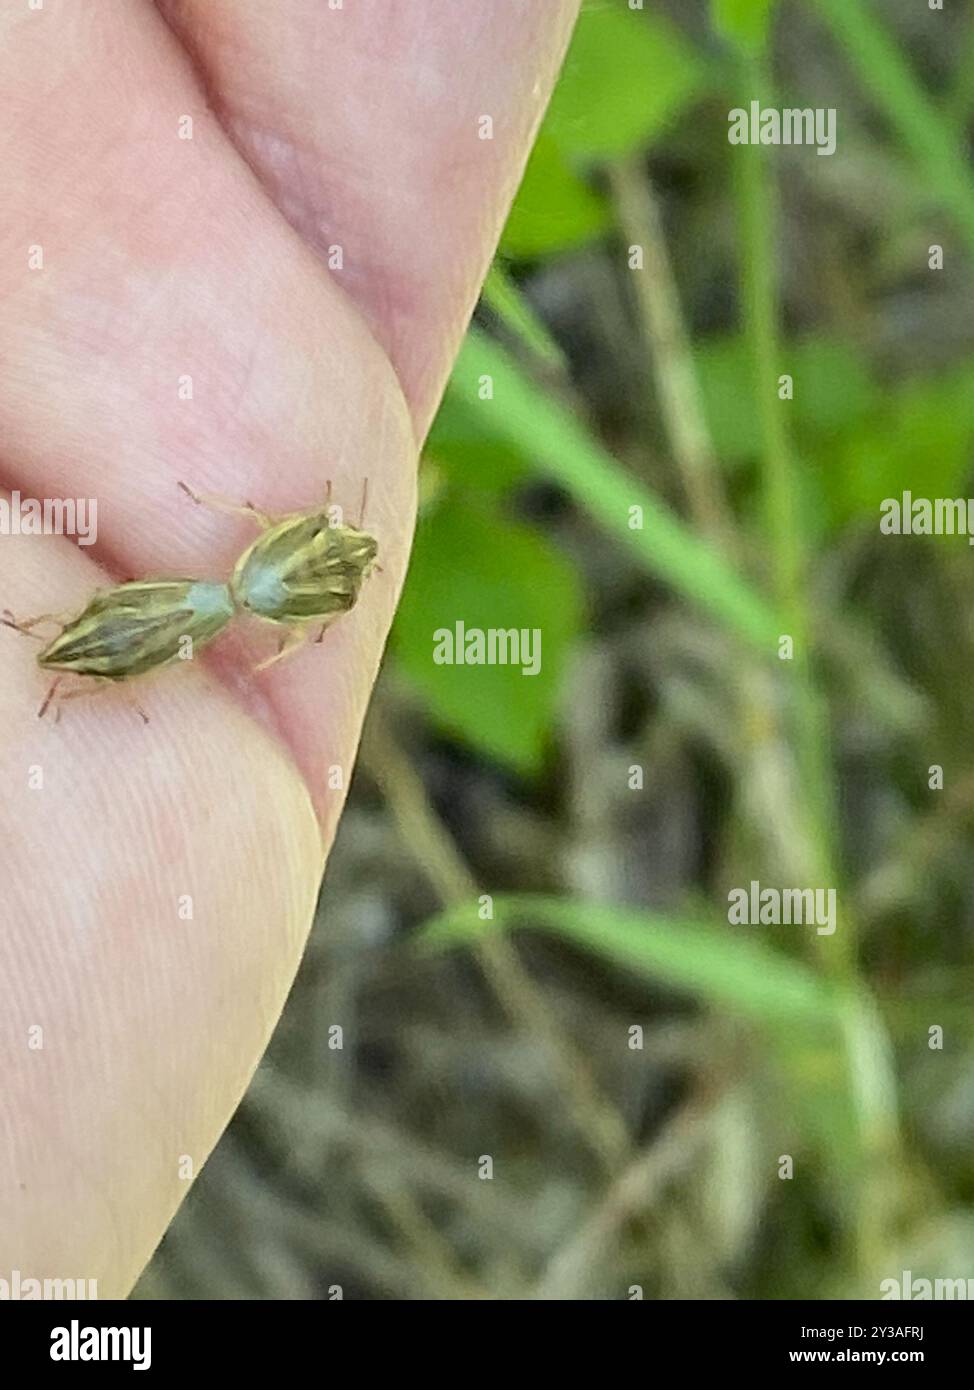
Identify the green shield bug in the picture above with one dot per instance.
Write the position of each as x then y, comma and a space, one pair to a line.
303, 571
130, 629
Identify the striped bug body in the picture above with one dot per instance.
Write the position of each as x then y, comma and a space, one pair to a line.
303, 569
127, 631
136, 627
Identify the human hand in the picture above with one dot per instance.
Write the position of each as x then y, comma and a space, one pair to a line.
167, 259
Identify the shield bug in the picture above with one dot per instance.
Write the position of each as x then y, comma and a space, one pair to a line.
303, 571
130, 629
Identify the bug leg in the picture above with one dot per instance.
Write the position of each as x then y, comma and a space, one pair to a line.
64, 695
49, 697
288, 644
226, 504
24, 632
96, 686
26, 625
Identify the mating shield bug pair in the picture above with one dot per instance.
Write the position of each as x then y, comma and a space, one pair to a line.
303, 570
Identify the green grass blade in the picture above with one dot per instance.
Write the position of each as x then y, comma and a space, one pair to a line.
929, 136
827, 1038
503, 298
723, 967
562, 448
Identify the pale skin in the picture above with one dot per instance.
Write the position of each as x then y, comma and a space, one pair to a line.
163, 259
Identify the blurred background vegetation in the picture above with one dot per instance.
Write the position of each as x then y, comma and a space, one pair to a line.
613, 387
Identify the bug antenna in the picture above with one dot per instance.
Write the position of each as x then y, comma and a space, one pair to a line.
365, 498
8, 620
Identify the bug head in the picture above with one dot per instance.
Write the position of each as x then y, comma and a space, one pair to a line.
360, 549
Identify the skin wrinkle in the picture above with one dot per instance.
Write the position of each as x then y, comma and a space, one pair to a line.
164, 257
431, 138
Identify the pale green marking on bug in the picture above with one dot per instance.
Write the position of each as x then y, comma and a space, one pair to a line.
261, 590
210, 600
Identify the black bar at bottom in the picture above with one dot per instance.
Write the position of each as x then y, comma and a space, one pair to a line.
68, 1339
